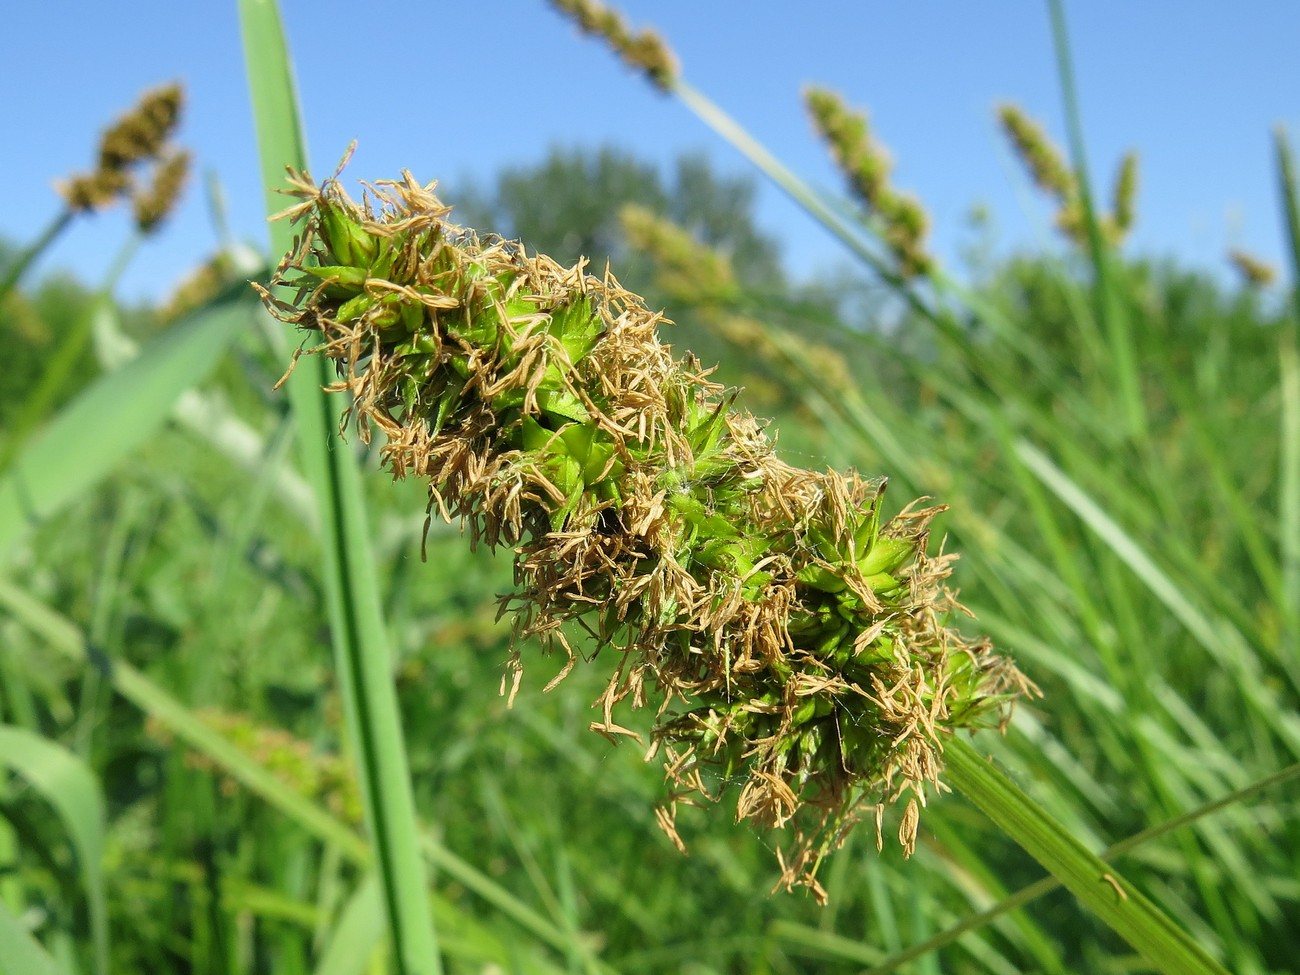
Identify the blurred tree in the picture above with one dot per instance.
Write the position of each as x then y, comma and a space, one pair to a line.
568, 206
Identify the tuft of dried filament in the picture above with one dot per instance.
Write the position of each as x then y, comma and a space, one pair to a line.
793, 640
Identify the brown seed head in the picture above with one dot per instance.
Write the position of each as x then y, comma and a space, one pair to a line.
644, 51
141, 132
1254, 271
86, 192
865, 165
1125, 197
152, 205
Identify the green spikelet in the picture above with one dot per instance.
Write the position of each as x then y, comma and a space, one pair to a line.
865, 166
1124, 203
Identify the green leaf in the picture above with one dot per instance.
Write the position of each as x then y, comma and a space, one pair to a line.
67, 640
67, 784
356, 932
20, 953
113, 416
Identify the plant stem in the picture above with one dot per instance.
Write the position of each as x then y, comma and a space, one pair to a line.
362, 657
1097, 885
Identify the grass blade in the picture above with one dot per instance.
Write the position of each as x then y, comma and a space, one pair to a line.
1222, 641
1109, 307
356, 932
1098, 886
68, 641
14, 273
1289, 363
20, 953
352, 586
67, 784
113, 416
1048, 884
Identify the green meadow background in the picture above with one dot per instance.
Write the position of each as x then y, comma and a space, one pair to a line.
246, 727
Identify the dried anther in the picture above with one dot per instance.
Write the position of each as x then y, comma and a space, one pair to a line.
794, 639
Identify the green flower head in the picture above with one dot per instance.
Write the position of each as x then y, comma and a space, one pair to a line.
792, 639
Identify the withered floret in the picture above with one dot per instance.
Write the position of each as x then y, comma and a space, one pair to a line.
794, 640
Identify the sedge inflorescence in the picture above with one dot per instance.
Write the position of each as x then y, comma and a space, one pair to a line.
136, 161
792, 639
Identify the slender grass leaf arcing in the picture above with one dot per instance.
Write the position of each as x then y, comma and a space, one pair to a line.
67, 784
1100, 887
362, 655
1286, 174
112, 417
20, 953
1220, 639
803, 634
18, 267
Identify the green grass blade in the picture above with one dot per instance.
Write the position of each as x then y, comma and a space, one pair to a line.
1222, 641
20, 953
1048, 884
67, 784
1109, 306
1289, 494
1289, 364
799, 191
1286, 174
1098, 886
360, 639
113, 416
68, 641
14, 273
356, 932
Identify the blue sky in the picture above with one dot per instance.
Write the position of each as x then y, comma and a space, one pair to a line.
455, 90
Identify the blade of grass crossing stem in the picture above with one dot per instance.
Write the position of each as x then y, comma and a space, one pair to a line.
67, 784
1111, 310
849, 950
1291, 211
14, 273
1098, 886
805, 196
356, 616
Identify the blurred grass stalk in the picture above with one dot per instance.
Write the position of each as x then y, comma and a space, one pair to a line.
357, 626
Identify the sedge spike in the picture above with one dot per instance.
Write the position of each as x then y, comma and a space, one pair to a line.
792, 640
